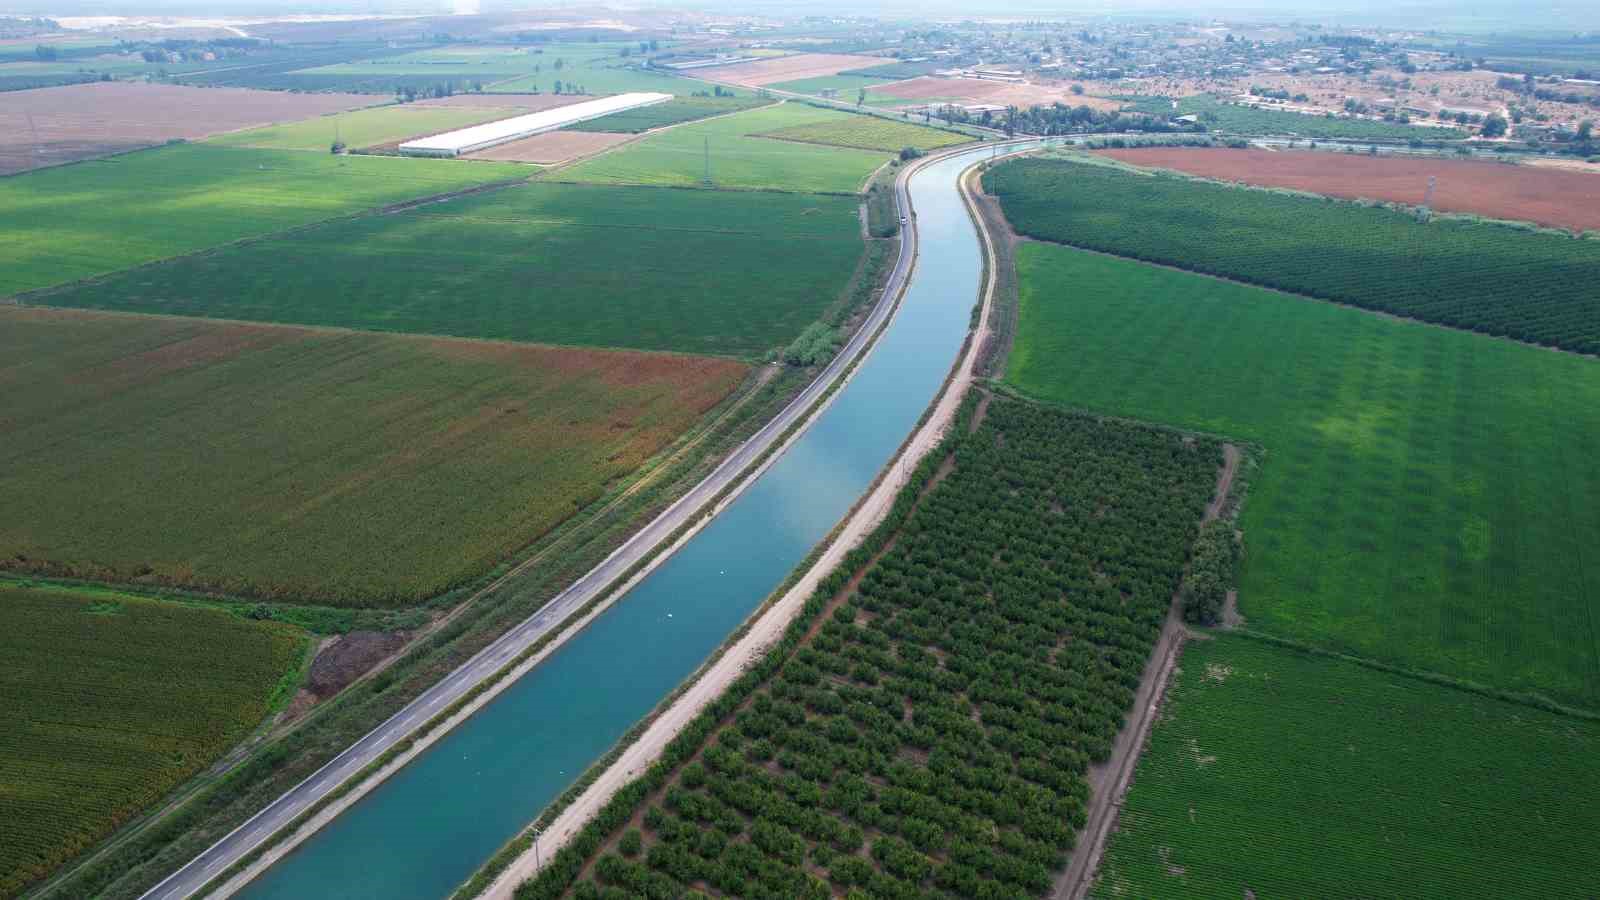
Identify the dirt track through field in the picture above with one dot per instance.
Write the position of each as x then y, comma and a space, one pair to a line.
1108, 781
1560, 198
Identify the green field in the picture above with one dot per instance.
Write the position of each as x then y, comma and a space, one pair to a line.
362, 128
1219, 116
869, 133
924, 731
344, 468
1429, 496
1282, 774
1532, 285
69, 222
739, 158
110, 702
714, 272
673, 112
848, 87
849, 84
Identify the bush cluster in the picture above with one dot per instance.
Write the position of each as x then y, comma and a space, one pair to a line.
1213, 572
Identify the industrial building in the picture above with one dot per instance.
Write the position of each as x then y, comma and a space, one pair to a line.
490, 134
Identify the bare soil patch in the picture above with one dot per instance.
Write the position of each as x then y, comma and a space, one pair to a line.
1557, 197
1569, 163
349, 657
554, 147
996, 92
83, 121
793, 68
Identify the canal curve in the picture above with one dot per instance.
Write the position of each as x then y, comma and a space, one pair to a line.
429, 826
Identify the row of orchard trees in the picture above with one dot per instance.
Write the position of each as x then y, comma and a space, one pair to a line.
928, 734
1493, 278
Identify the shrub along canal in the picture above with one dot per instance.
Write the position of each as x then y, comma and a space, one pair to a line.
426, 829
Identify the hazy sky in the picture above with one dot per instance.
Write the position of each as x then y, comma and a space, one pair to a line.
1567, 16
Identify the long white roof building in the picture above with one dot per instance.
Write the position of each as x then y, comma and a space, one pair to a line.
489, 134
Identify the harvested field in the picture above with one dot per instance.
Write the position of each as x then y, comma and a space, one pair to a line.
1561, 198
791, 68
346, 468
110, 702
971, 90
1569, 163
83, 121
553, 147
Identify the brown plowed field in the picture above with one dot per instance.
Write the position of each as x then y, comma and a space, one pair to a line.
553, 146
791, 68
1557, 197
82, 121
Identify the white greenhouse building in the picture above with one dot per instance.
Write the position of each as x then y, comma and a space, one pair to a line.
490, 134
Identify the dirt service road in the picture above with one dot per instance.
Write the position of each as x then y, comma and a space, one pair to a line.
770, 625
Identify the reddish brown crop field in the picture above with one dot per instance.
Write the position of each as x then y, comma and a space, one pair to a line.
554, 146
1556, 197
49, 126
347, 468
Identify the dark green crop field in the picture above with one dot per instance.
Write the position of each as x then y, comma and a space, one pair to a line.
69, 222
1227, 117
1534, 286
680, 109
1429, 497
110, 702
924, 732
725, 273
1283, 774
342, 468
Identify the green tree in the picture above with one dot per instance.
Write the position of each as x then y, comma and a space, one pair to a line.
1494, 126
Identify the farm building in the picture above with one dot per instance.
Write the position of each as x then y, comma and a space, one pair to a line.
490, 134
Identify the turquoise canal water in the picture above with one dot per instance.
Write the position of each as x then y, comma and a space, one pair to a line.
426, 829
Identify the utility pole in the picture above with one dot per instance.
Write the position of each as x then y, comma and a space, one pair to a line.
707, 176
37, 150
536, 864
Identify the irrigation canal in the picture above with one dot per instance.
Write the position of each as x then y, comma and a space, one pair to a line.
426, 829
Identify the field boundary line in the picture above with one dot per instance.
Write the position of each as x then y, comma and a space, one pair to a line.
764, 626
1533, 701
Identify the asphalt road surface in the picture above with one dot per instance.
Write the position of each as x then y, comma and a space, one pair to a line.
224, 853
